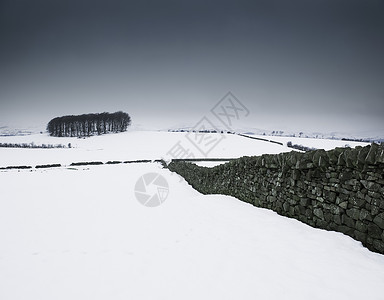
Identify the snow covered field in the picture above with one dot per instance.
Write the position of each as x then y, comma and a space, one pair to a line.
326, 144
80, 233
137, 145
134, 145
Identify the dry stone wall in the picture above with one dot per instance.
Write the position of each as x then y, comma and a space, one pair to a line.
340, 190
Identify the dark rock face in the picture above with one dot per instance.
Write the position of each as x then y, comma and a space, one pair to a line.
340, 190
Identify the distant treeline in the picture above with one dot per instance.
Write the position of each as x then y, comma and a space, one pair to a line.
300, 147
357, 140
200, 131
32, 145
89, 124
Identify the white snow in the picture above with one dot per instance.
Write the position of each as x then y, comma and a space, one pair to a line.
80, 233
209, 164
326, 144
137, 145
133, 145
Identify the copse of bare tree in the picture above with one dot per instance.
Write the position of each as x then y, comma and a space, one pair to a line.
89, 124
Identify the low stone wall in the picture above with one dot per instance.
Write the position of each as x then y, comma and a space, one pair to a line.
340, 190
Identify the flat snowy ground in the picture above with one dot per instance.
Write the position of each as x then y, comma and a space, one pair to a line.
81, 234
326, 144
136, 145
132, 145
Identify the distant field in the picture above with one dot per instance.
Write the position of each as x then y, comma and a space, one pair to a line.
137, 145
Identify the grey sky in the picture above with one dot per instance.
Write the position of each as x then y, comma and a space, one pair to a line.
173, 60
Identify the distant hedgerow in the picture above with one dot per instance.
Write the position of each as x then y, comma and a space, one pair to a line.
89, 124
300, 147
32, 145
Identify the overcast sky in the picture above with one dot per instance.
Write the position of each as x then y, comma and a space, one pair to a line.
319, 62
